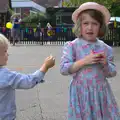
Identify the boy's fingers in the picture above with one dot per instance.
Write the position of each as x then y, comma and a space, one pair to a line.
51, 55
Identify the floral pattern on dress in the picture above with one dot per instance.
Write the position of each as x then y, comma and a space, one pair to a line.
91, 97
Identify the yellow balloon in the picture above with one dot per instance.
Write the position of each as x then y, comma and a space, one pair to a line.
9, 25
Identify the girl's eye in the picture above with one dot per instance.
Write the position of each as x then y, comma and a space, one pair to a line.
95, 24
85, 23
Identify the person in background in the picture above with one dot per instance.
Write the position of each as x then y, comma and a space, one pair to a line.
16, 29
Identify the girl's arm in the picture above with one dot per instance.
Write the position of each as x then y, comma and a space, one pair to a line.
76, 66
109, 68
68, 64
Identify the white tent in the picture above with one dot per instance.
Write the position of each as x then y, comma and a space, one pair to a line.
115, 18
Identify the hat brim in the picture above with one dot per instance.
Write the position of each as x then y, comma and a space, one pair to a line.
93, 6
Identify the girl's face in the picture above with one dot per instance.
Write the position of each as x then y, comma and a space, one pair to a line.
3, 55
89, 27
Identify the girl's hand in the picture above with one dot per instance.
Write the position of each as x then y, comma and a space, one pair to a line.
91, 58
103, 59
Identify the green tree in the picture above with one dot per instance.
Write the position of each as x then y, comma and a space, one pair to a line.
35, 17
112, 5
76, 3
72, 3
115, 9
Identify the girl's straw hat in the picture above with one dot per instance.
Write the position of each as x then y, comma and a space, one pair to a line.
94, 6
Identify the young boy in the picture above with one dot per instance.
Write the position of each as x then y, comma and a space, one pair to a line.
11, 80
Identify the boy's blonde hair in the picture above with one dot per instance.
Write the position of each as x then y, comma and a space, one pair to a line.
95, 15
3, 41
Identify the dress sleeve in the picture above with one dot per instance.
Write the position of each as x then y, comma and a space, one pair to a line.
67, 59
110, 68
23, 81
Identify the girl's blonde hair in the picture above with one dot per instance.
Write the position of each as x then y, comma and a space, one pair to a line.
3, 40
95, 15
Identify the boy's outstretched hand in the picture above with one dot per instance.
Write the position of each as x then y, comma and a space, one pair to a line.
48, 63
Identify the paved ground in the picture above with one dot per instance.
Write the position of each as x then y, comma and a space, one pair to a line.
47, 101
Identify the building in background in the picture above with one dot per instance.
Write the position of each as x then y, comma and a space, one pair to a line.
5, 5
61, 16
24, 7
47, 3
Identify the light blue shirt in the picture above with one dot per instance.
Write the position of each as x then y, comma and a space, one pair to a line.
9, 81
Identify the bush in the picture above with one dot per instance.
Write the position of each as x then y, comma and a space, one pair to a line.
33, 19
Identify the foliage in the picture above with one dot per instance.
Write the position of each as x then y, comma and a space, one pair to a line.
72, 3
76, 3
11, 11
35, 17
108, 3
115, 10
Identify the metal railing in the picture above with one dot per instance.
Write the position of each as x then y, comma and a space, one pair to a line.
57, 36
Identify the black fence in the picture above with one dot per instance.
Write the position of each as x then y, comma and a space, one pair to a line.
57, 36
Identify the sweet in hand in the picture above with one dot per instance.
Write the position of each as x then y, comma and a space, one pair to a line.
48, 63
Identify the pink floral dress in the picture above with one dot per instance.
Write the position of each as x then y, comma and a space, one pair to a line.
90, 97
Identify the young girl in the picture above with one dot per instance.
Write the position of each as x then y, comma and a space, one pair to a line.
11, 80
90, 62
